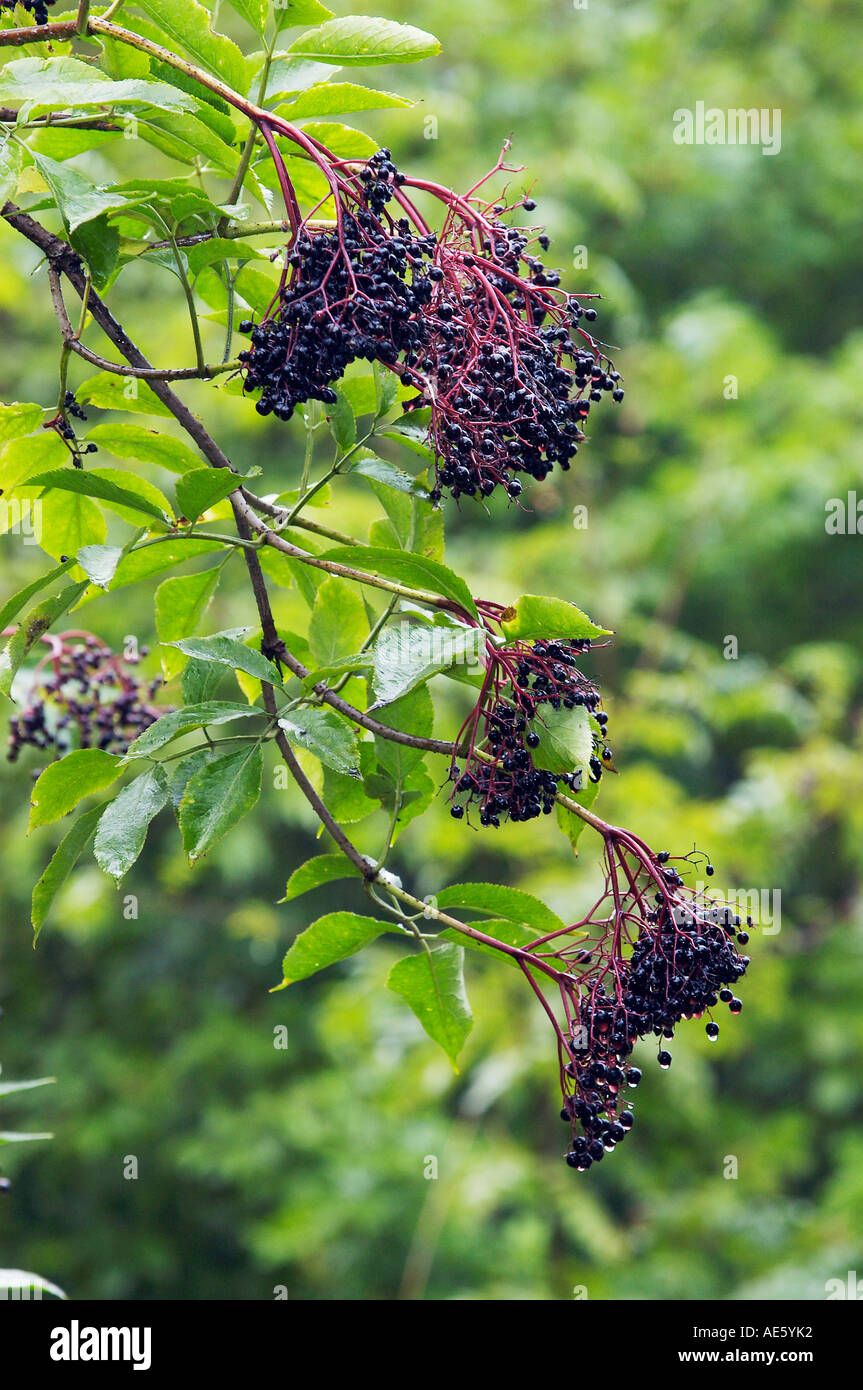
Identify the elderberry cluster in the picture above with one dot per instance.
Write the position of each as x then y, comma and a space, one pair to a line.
682, 964
83, 698
511, 394
38, 8
353, 293
500, 776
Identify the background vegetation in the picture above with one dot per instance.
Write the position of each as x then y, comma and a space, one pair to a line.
305, 1167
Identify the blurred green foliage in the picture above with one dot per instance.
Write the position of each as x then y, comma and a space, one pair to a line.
305, 1167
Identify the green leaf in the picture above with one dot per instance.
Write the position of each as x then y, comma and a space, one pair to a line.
124, 823
338, 98
218, 797
30, 454
432, 983
326, 868
510, 933
329, 939
111, 392
415, 571
227, 651
565, 739
290, 76
141, 564
412, 714
68, 521
342, 423
77, 197
12, 607
11, 155
66, 82
61, 864
254, 12
34, 626
99, 562
323, 733
65, 783
200, 681
513, 904
183, 721
91, 484
390, 475
181, 603
188, 24
344, 141
98, 242
338, 625
290, 12
361, 42
203, 488
533, 616
571, 824
188, 139
407, 654
18, 418
19, 1279
144, 446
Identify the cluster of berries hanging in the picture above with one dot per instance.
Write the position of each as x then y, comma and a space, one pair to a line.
470, 317
508, 368
352, 293
505, 732
650, 954
83, 696
38, 8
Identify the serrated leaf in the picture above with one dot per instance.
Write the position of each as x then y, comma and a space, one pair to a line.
61, 864
200, 681
76, 196
323, 733
342, 422
290, 12
11, 155
533, 616
144, 446
507, 932
181, 603
565, 739
189, 139
361, 41
338, 625
31, 629
91, 484
58, 83
218, 796
188, 25
411, 714
124, 823
497, 900
432, 983
414, 571
18, 418
571, 824
67, 521
339, 98
183, 721
12, 607
201, 489
290, 76
66, 782
254, 12
328, 940
387, 473
325, 868
227, 651
98, 243
407, 654
99, 562
141, 564
110, 392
